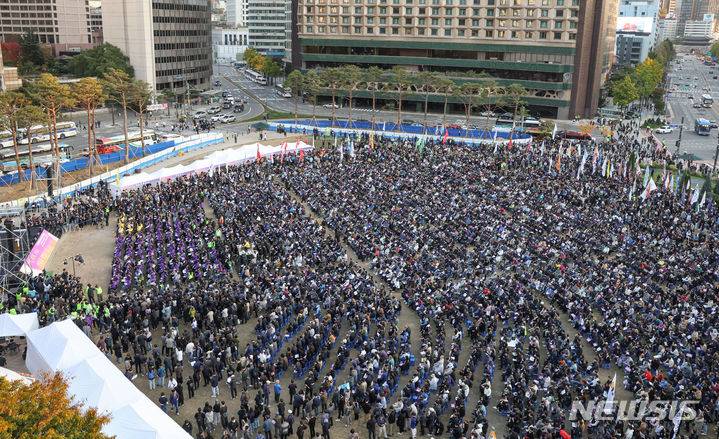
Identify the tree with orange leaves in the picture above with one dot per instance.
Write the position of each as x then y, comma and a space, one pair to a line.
44, 409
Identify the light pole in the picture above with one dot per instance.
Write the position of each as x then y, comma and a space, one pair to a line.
679, 141
716, 153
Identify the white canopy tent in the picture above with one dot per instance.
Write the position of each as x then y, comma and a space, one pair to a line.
18, 324
217, 159
94, 380
11, 375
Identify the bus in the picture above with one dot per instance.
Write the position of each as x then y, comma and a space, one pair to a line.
282, 91
702, 127
9, 164
42, 133
707, 100
6, 139
106, 145
256, 77
37, 150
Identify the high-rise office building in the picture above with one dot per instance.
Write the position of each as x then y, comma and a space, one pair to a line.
169, 42
65, 24
694, 10
559, 52
637, 30
236, 13
268, 21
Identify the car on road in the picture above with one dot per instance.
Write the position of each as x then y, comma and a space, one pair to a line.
715, 77
214, 109
201, 114
713, 124
691, 97
409, 122
330, 105
487, 114
227, 105
239, 108
225, 93
217, 83
227, 118
666, 129
697, 105
216, 117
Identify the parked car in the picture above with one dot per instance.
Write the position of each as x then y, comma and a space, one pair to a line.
227, 118
715, 77
201, 114
409, 122
666, 129
214, 109
330, 105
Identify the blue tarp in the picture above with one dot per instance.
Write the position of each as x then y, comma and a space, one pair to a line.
322, 126
81, 163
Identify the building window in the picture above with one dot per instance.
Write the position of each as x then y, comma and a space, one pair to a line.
500, 34
358, 30
333, 30
309, 29
435, 11
542, 35
408, 11
528, 35
461, 22
447, 11
502, 23
345, 10
370, 20
557, 24
516, 13
435, 22
395, 31
395, 11
420, 31
545, 13
382, 30
448, 32
572, 37
488, 33
502, 12
475, 33
475, 23
345, 29
560, 2
320, 29
475, 11
395, 20
515, 34
408, 20
530, 12
575, 2
358, 10
460, 32
422, 11
572, 25
559, 13
462, 11
434, 32
543, 24
382, 11
490, 22
421, 21
515, 23
490, 12
557, 35
529, 23
370, 10
345, 20
368, 30
358, 20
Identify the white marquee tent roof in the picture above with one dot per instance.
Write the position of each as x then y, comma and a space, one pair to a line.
217, 159
94, 380
17, 325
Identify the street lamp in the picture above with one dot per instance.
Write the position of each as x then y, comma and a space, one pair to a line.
77, 258
679, 141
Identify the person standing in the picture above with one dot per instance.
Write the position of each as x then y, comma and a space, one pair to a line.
175, 401
382, 426
190, 389
371, 428
326, 423
151, 378
163, 402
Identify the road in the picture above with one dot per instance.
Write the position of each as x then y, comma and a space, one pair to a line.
688, 79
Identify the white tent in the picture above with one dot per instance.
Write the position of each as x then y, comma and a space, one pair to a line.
11, 375
217, 159
58, 347
17, 325
94, 380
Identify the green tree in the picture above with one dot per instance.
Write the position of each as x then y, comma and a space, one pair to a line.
715, 50
31, 54
491, 94
351, 78
650, 74
44, 409
253, 59
374, 76
466, 93
98, 60
426, 83
270, 68
332, 79
624, 93
119, 87
54, 98
27, 117
296, 83
88, 95
11, 103
400, 82
140, 95
446, 87
312, 88
514, 93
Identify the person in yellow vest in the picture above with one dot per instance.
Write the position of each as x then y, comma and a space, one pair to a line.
98, 292
51, 314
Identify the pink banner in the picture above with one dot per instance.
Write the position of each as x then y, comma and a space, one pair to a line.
40, 253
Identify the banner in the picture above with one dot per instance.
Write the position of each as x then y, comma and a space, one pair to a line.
40, 253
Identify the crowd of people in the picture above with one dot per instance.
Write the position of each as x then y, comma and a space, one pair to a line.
431, 291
